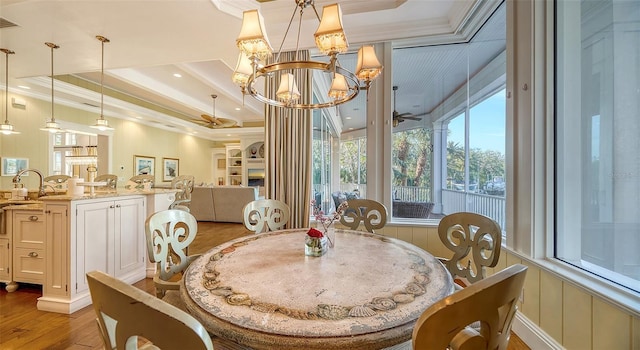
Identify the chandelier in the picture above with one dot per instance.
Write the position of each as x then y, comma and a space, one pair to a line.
330, 39
101, 123
52, 126
6, 128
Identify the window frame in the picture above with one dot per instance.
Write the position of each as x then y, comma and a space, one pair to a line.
530, 151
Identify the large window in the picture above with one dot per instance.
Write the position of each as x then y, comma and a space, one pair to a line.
597, 158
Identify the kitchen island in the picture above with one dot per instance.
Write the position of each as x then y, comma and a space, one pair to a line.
104, 231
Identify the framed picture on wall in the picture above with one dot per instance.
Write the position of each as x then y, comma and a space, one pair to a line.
143, 165
11, 166
170, 168
222, 163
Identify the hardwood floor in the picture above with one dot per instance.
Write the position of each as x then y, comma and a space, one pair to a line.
22, 326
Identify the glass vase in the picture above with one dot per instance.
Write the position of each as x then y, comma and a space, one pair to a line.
314, 246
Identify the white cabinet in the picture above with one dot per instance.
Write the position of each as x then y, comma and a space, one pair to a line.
28, 230
22, 248
105, 234
109, 238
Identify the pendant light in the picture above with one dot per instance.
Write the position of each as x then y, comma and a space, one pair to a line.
52, 126
6, 128
101, 123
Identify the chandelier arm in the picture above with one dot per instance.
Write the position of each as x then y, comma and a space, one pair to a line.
313, 6
285, 34
6, 87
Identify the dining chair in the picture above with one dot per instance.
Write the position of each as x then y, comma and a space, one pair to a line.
372, 214
56, 179
141, 179
168, 234
475, 241
183, 183
492, 302
127, 316
110, 179
263, 215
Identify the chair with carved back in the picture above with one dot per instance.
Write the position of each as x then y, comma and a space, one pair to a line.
142, 179
183, 183
128, 316
372, 214
475, 241
492, 303
110, 179
168, 234
56, 179
264, 215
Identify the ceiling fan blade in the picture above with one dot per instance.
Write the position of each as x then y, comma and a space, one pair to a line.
413, 117
208, 118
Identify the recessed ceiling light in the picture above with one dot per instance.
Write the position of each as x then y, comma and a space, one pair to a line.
138, 117
24, 87
228, 135
347, 118
177, 75
350, 128
237, 108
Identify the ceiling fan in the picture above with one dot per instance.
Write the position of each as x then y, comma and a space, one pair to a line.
214, 122
400, 117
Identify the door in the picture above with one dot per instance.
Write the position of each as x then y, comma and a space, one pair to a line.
94, 240
129, 236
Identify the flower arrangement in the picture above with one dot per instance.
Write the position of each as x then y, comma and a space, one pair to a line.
327, 220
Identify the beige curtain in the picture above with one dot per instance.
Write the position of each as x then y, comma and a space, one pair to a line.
288, 147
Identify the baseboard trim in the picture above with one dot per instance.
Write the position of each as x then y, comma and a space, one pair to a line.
533, 335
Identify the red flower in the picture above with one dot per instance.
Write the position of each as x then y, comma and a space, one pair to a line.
315, 233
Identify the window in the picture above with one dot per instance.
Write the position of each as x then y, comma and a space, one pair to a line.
353, 166
448, 146
597, 167
323, 140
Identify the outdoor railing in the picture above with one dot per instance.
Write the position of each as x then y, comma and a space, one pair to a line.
452, 200
491, 206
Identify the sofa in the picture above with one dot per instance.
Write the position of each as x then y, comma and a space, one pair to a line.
221, 203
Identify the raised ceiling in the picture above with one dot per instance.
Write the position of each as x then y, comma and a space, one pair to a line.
151, 41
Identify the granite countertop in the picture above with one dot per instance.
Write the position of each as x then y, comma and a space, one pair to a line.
30, 206
98, 194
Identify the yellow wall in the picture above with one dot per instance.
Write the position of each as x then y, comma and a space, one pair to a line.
129, 139
571, 315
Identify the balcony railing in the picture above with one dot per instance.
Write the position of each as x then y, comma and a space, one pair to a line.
452, 200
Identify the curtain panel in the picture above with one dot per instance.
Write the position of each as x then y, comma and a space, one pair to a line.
288, 136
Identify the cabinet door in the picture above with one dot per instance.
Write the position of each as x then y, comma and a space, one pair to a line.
28, 229
94, 240
57, 250
129, 236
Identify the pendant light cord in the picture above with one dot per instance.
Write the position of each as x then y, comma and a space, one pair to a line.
103, 40
52, 46
7, 52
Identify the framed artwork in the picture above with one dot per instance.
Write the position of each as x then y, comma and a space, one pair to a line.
170, 168
143, 165
222, 163
11, 166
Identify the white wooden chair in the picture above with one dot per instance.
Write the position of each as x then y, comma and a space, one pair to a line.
142, 179
56, 179
184, 183
475, 241
128, 316
264, 215
491, 302
169, 233
110, 179
371, 213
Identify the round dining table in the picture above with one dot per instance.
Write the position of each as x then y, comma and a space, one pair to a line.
263, 292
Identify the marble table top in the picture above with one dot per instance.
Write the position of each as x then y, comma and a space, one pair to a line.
365, 293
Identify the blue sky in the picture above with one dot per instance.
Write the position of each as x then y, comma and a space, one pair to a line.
487, 125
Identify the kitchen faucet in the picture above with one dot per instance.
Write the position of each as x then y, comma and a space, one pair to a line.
41, 191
